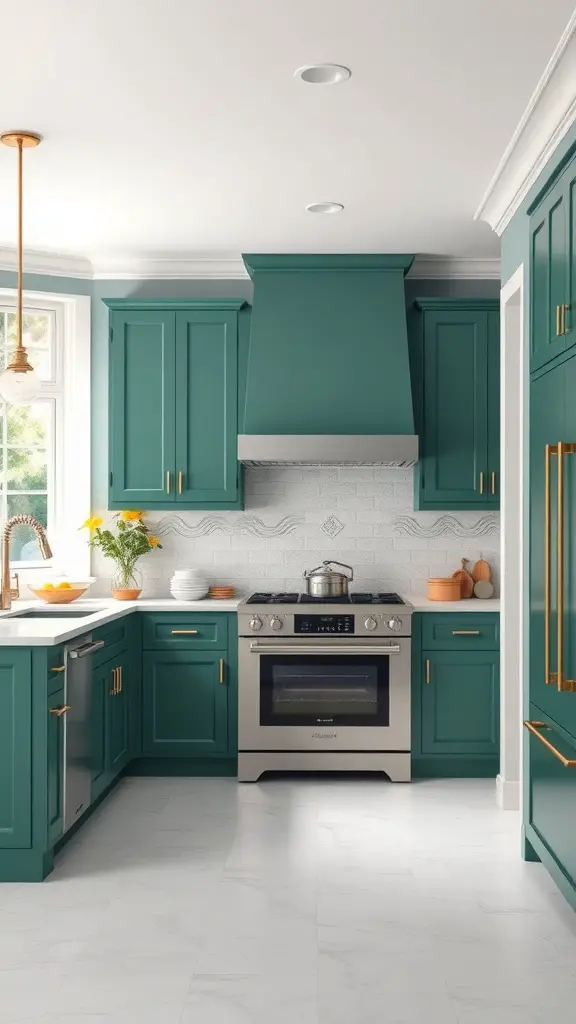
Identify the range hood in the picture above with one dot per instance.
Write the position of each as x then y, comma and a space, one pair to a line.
328, 373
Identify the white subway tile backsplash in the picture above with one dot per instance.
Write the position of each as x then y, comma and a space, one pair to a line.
280, 534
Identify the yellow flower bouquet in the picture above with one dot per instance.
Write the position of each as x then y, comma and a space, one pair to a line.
123, 545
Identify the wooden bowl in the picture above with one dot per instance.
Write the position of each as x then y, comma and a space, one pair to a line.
64, 596
444, 589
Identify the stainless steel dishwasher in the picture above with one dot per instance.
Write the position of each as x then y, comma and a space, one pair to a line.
77, 774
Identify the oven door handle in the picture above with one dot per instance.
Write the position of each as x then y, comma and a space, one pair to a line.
256, 648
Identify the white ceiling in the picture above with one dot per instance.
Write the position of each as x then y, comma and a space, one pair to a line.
177, 126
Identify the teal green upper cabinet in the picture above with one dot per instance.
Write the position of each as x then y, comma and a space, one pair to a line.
174, 404
15, 748
185, 703
206, 407
456, 371
460, 702
553, 270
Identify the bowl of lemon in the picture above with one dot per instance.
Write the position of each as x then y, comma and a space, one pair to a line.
60, 591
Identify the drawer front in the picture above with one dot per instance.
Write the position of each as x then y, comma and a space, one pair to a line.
185, 632
462, 632
552, 790
116, 639
56, 661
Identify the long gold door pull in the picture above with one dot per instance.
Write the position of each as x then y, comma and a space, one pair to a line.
184, 632
120, 678
560, 450
563, 310
534, 728
427, 676
481, 488
168, 482
114, 689
180, 481
493, 483
558, 321
222, 674
59, 711
549, 677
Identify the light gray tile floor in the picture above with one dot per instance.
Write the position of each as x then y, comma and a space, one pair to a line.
301, 901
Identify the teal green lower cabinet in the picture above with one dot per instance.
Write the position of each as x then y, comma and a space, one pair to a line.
455, 695
102, 678
550, 800
110, 725
118, 731
185, 703
460, 702
55, 780
15, 748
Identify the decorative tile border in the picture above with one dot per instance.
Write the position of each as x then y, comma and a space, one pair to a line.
244, 524
447, 526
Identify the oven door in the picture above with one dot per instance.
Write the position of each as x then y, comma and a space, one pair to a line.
319, 693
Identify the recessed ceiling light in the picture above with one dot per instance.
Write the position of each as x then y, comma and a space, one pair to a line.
323, 74
325, 207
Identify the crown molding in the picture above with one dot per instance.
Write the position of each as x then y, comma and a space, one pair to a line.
431, 268
548, 117
174, 268
49, 263
426, 267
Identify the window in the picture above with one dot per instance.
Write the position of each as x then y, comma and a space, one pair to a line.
45, 444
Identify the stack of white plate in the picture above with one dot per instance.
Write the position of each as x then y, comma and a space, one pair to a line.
188, 585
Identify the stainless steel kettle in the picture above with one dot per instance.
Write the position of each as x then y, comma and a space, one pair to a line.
325, 582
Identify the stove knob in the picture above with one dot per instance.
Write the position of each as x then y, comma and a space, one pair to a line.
370, 623
275, 623
255, 622
394, 623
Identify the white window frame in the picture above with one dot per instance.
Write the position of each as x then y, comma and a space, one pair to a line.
71, 448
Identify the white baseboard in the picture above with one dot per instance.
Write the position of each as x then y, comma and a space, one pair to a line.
507, 794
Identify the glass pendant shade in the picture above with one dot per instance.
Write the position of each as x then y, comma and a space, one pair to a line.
19, 385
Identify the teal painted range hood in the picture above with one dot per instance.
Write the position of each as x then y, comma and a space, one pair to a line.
328, 376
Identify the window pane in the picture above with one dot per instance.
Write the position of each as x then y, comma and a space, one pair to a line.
37, 338
23, 545
29, 424
27, 469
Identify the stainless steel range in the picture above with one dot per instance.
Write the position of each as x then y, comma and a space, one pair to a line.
324, 684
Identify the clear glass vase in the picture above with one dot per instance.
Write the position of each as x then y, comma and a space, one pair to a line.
126, 584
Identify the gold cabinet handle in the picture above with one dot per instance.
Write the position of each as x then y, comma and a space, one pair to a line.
493, 482
481, 488
427, 676
59, 668
534, 728
59, 711
222, 676
558, 321
180, 481
184, 632
563, 310
120, 679
560, 450
549, 677
465, 632
168, 482
114, 682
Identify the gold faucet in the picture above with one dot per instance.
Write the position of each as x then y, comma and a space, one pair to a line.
45, 551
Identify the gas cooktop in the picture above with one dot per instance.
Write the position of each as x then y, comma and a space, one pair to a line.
294, 598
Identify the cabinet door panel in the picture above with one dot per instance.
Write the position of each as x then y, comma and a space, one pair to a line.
552, 794
15, 748
185, 706
493, 481
207, 406
570, 318
549, 277
460, 703
142, 414
455, 435
55, 769
118, 725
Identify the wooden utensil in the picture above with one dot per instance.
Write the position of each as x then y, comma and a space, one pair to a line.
481, 571
466, 581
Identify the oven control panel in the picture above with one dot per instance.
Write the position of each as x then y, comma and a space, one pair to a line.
342, 624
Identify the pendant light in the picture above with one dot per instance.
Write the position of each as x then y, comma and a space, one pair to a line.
19, 382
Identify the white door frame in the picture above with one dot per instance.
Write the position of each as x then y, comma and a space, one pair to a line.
513, 504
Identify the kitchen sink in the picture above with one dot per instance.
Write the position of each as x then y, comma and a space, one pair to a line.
56, 613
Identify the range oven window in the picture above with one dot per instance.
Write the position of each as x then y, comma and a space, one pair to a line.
308, 689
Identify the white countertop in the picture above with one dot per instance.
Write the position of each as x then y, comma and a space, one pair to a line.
422, 603
15, 632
